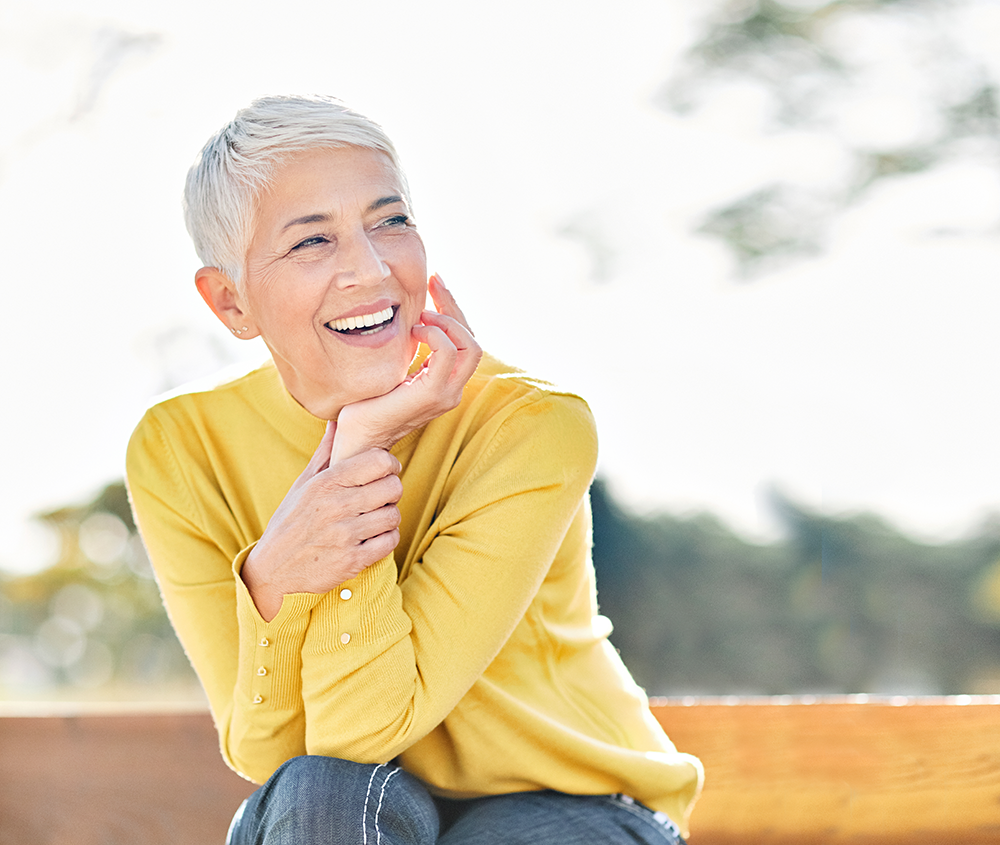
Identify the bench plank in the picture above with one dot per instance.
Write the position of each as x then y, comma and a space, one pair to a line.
115, 780
783, 771
780, 772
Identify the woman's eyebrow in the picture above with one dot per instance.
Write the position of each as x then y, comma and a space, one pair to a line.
325, 218
309, 218
383, 201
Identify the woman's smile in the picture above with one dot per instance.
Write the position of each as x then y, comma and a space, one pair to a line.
362, 324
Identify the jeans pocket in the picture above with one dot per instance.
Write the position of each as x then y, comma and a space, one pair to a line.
662, 821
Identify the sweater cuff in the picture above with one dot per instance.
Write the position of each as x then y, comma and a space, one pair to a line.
270, 653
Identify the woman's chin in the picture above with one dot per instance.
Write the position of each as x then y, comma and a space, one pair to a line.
351, 381
368, 388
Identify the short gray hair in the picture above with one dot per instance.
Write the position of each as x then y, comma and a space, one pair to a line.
235, 166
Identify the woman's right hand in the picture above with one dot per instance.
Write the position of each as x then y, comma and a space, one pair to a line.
333, 523
433, 390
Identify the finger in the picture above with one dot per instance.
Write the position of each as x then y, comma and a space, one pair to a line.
385, 492
378, 547
363, 468
373, 536
451, 363
320, 459
349, 503
377, 522
457, 332
444, 301
364, 553
467, 351
440, 364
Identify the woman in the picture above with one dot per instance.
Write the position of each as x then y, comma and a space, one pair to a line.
401, 640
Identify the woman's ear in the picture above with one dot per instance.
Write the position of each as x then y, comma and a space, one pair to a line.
220, 293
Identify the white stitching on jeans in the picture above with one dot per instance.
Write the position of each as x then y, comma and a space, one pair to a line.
364, 813
381, 795
627, 802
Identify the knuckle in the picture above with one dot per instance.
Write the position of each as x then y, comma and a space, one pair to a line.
395, 487
390, 541
388, 463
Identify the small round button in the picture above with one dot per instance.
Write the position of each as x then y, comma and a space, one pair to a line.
265, 642
345, 638
262, 671
345, 594
257, 699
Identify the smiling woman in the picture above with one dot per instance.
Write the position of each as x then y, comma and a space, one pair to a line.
375, 549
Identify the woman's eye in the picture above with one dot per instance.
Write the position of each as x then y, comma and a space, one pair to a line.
395, 220
313, 241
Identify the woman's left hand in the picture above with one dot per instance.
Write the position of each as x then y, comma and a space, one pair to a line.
433, 390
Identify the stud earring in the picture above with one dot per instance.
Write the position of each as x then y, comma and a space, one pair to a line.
240, 331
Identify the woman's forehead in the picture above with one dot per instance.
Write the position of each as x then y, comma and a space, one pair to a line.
329, 180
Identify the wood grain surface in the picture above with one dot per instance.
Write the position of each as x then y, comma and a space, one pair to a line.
779, 771
140, 779
783, 771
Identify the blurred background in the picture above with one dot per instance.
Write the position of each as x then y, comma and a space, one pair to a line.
762, 238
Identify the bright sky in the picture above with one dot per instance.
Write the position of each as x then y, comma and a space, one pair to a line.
864, 379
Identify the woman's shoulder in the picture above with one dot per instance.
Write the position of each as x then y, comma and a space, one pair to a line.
214, 389
496, 375
500, 399
243, 391
236, 404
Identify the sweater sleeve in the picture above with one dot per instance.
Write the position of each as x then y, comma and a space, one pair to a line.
385, 662
197, 549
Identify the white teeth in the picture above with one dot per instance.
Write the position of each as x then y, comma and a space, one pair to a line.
365, 321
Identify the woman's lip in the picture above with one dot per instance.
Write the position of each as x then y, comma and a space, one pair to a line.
373, 337
368, 308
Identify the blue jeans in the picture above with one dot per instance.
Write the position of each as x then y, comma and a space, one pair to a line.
326, 801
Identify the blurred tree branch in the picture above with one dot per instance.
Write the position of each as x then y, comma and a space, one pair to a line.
894, 82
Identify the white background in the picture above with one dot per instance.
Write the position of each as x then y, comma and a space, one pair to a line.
863, 379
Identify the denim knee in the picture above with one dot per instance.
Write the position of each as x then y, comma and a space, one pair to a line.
314, 800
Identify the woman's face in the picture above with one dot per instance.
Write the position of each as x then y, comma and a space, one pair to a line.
336, 277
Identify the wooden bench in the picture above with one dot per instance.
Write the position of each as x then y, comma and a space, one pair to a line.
780, 771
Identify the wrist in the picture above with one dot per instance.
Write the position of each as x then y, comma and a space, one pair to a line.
351, 440
264, 593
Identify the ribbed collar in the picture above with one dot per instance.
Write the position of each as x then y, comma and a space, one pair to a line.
280, 408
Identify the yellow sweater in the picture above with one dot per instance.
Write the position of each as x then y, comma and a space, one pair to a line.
474, 655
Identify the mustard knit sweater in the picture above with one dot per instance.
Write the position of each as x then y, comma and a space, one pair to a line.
474, 655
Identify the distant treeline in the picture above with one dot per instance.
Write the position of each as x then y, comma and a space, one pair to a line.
841, 605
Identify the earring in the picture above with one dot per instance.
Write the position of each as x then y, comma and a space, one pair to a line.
239, 331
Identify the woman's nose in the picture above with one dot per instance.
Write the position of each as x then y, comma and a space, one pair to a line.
361, 263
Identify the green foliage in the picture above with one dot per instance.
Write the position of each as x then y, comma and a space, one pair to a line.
824, 69
845, 604
92, 624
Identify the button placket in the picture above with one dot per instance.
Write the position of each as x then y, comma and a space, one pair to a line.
348, 615
262, 669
